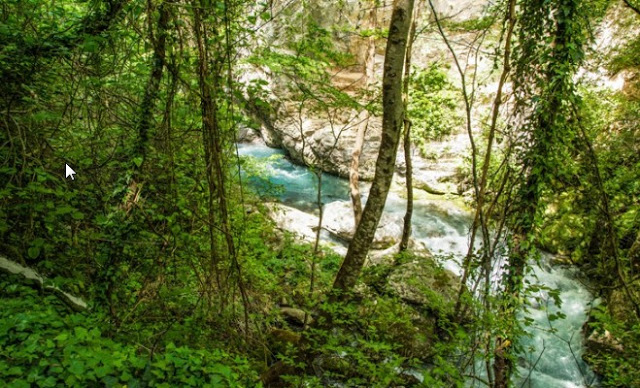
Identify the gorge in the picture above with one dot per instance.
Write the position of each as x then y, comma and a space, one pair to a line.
316, 193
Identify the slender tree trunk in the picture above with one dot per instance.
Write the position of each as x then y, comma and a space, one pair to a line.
634, 254
406, 229
209, 108
392, 122
354, 174
369, 73
468, 98
497, 102
633, 7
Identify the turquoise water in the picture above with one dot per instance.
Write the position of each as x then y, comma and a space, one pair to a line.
553, 347
444, 229
289, 183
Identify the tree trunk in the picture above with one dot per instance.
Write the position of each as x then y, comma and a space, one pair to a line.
406, 229
392, 122
480, 219
354, 178
153, 84
369, 73
548, 124
211, 141
634, 253
633, 7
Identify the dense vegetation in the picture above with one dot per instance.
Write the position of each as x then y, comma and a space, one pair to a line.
188, 280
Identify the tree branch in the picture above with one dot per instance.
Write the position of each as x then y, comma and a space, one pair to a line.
633, 7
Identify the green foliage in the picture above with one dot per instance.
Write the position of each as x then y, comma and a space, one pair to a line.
470, 25
131, 234
41, 347
615, 355
432, 106
378, 342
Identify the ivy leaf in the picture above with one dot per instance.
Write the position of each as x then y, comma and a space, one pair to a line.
33, 252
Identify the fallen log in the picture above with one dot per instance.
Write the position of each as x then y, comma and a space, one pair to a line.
32, 278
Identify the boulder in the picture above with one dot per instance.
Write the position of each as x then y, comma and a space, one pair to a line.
424, 283
602, 341
386, 256
339, 221
248, 135
295, 316
302, 225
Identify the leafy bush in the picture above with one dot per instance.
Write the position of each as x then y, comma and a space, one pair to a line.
432, 106
41, 347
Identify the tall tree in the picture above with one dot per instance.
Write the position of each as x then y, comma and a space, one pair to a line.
406, 229
544, 82
392, 124
369, 73
209, 80
158, 37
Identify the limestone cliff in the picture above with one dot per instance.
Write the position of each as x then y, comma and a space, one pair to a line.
325, 138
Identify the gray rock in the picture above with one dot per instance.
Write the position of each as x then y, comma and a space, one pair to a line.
422, 282
248, 135
295, 315
339, 221
602, 341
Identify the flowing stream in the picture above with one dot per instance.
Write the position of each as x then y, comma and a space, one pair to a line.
553, 348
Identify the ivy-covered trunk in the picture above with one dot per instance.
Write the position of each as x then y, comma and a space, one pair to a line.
153, 84
550, 132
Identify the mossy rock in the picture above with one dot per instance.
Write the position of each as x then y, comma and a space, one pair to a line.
619, 305
422, 282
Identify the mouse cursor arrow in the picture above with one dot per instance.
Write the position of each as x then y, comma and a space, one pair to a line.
68, 172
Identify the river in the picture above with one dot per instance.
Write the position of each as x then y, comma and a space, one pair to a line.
553, 348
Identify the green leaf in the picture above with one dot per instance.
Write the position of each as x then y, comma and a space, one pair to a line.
125, 376
90, 45
81, 333
77, 368
33, 252
62, 337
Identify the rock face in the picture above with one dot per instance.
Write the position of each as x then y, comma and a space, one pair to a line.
325, 138
316, 142
339, 221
